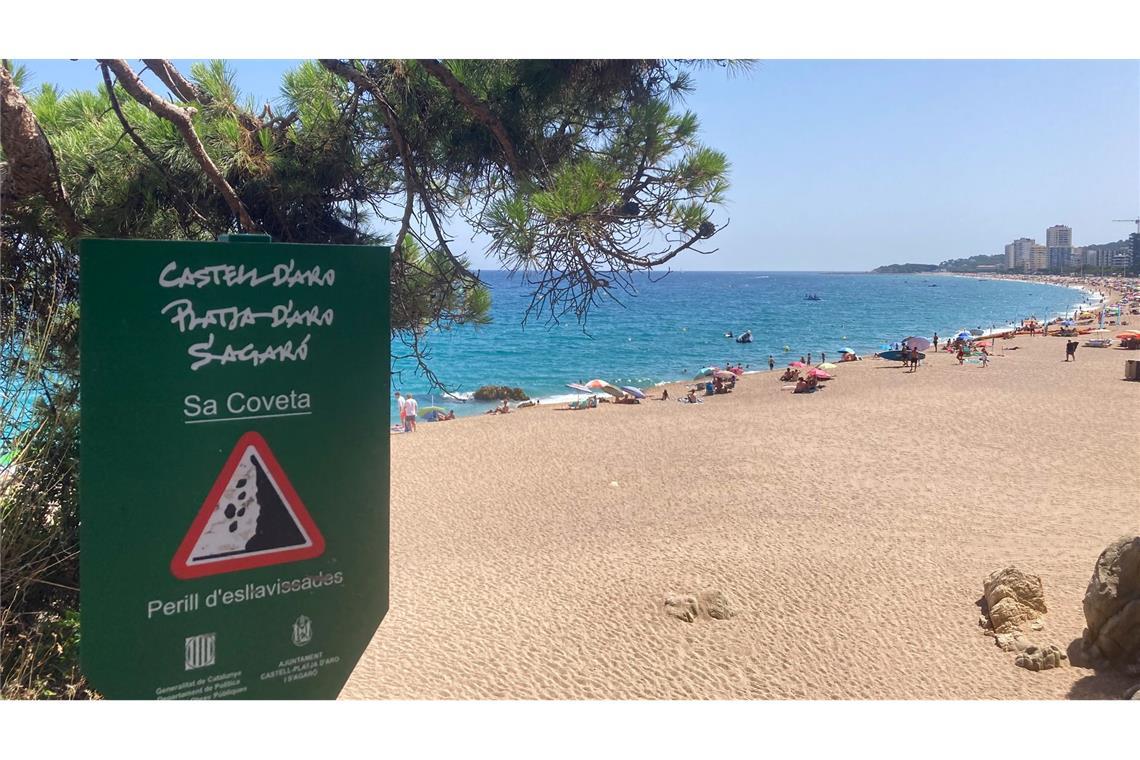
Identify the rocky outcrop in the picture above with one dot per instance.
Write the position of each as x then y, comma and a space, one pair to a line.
498, 393
682, 606
1112, 604
1041, 657
715, 605
1012, 599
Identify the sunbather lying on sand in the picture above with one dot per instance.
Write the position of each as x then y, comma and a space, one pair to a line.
806, 385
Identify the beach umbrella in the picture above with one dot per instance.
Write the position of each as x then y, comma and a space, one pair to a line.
819, 373
964, 336
828, 365
635, 392
738, 371
724, 374
597, 383
918, 343
613, 390
846, 350
796, 364
705, 371
579, 388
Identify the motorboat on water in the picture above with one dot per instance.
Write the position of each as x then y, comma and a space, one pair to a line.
812, 297
744, 337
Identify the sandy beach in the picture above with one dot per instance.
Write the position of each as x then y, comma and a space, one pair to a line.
850, 529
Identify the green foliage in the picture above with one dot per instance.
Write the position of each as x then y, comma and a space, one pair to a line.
905, 268
972, 263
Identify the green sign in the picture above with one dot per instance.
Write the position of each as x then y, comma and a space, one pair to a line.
234, 468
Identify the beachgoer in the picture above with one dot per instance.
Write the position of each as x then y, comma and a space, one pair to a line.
961, 355
771, 363
822, 358
985, 358
411, 406
665, 394
1071, 350
505, 407
401, 402
808, 358
935, 341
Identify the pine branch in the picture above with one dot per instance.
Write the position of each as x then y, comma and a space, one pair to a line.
477, 108
181, 118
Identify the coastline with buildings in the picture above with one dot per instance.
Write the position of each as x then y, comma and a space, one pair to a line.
1057, 255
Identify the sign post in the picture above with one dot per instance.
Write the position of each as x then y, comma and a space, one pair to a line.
234, 466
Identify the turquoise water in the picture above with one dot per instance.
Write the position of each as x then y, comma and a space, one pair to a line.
676, 325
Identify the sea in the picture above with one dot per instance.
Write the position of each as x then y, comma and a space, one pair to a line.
674, 325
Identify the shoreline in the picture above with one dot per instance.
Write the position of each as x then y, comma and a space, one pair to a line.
1109, 296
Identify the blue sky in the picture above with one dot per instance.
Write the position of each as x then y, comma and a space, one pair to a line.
845, 165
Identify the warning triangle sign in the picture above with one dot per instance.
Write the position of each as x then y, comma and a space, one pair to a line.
252, 518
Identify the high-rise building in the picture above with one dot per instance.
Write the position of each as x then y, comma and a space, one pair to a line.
1018, 253
1039, 258
1059, 240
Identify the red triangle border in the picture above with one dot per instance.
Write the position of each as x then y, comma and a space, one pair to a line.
180, 566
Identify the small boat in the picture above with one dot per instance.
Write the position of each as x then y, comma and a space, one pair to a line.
812, 297
745, 337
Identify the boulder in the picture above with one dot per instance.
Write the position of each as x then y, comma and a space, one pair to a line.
1112, 604
1133, 692
498, 393
682, 606
715, 605
1013, 598
1041, 658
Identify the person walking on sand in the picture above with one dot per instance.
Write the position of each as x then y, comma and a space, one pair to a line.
985, 358
411, 406
935, 342
1071, 350
402, 403
771, 363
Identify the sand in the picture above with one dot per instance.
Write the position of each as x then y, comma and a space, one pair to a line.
851, 530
